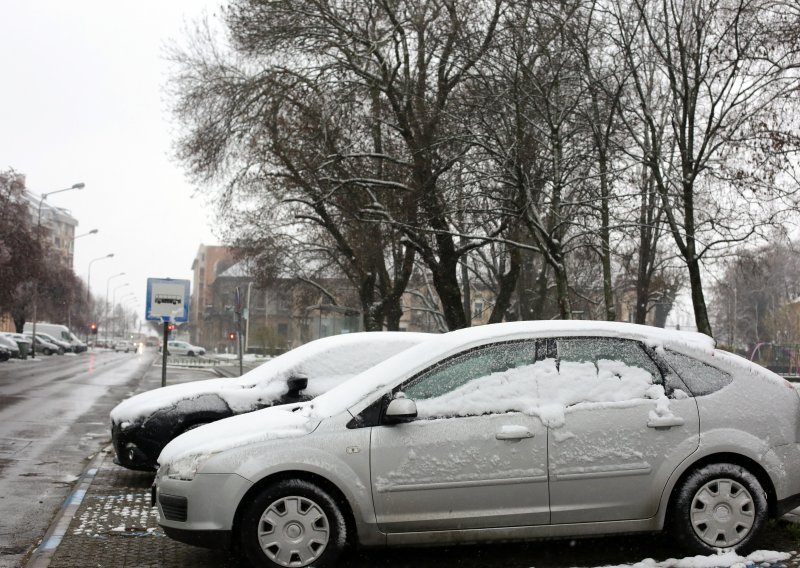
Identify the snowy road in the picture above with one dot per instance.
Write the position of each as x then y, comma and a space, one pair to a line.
53, 415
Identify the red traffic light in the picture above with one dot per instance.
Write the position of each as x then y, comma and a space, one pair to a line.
171, 327
93, 328
232, 335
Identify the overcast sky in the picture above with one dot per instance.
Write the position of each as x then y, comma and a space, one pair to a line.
83, 100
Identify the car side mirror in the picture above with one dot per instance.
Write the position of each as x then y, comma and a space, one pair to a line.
401, 410
296, 384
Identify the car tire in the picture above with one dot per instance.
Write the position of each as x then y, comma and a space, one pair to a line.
719, 506
293, 523
47, 351
190, 353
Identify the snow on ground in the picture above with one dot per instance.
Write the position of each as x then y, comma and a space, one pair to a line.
726, 560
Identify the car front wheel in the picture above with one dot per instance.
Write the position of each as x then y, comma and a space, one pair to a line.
719, 506
293, 523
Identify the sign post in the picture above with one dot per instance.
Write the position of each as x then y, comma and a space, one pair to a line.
167, 302
238, 304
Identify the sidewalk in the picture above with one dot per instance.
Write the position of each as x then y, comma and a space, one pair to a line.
107, 520
114, 525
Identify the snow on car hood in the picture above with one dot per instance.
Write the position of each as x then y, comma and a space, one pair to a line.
417, 358
267, 424
325, 362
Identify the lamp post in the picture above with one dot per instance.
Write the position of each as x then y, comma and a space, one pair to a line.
125, 301
114, 304
39, 241
89, 275
105, 304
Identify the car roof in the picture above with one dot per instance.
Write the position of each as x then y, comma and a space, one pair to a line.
416, 358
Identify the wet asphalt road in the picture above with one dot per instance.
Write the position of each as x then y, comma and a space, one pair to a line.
53, 416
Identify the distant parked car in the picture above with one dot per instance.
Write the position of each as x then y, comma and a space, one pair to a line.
518, 430
124, 345
59, 332
23, 342
183, 348
142, 425
65, 345
41, 345
11, 345
5, 353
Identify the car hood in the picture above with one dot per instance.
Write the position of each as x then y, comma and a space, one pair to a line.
273, 423
240, 396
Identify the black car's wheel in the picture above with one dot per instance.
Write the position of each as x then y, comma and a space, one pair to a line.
47, 351
190, 354
293, 523
719, 506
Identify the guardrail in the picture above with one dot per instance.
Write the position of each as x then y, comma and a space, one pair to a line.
185, 361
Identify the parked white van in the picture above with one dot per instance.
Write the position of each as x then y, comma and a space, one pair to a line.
59, 332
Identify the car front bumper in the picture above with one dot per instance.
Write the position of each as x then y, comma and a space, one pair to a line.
130, 450
200, 512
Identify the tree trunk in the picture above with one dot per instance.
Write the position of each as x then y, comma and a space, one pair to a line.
508, 282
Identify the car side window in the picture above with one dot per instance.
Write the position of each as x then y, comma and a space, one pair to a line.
608, 353
478, 381
602, 369
700, 378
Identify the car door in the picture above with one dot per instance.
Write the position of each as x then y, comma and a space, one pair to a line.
628, 424
472, 458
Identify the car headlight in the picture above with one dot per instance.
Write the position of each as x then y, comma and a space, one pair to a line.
185, 468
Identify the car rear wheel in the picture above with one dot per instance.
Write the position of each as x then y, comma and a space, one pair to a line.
190, 354
719, 507
293, 523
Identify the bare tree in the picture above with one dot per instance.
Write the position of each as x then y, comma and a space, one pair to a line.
723, 74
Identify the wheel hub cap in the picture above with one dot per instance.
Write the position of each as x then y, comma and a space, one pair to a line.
293, 531
723, 513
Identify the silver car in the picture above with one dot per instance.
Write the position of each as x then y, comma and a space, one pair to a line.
510, 431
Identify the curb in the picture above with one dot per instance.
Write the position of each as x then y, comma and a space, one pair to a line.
41, 555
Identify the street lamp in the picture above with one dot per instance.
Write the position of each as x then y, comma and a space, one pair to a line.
92, 232
80, 185
89, 275
105, 305
114, 304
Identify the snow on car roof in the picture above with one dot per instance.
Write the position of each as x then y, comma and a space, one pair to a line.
374, 379
325, 362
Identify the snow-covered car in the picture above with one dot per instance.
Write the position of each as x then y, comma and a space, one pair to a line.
23, 342
184, 348
142, 425
509, 431
10, 345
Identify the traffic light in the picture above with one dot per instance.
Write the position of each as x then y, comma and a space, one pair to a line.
93, 328
232, 335
171, 327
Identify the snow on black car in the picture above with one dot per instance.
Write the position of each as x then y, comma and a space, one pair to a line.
142, 425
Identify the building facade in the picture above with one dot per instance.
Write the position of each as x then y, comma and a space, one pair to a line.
209, 262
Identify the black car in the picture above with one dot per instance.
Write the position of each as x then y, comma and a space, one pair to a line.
142, 425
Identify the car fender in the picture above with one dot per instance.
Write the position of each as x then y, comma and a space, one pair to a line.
341, 458
729, 441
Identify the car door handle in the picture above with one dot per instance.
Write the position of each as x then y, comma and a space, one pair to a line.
513, 433
665, 421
